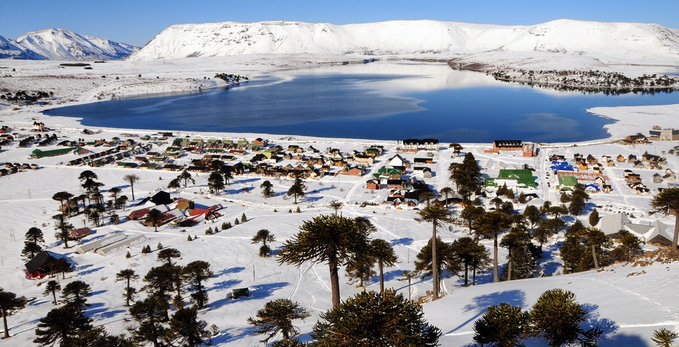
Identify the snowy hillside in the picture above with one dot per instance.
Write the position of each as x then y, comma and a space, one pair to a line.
609, 42
59, 44
11, 50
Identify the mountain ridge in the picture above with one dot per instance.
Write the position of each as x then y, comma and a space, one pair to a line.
606, 41
61, 44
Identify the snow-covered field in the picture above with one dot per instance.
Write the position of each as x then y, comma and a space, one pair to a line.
630, 306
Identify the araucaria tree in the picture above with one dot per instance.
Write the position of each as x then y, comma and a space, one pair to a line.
276, 317
65, 324
504, 325
445, 259
9, 302
371, 319
667, 203
195, 274
298, 187
127, 275
327, 239
436, 215
51, 288
556, 316
154, 218
267, 189
264, 236
186, 177
490, 226
384, 255
63, 227
215, 182
131, 179
469, 252
63, 197
186, 329
34, 238
167, 254
152, 317
75, 294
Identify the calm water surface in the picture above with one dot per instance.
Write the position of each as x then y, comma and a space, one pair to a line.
374, 101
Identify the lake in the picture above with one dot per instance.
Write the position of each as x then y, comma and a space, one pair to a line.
385, 101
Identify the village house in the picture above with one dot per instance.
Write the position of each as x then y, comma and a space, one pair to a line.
660, 134
411, 145
635, 139
513, 146
46, 263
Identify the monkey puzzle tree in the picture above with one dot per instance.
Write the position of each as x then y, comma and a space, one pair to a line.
436, 215
667, 203
329, 239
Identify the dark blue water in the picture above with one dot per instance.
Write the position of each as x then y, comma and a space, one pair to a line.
343, 106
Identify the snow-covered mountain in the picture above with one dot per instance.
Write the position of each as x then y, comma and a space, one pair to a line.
11, 50
59, 44
606, 41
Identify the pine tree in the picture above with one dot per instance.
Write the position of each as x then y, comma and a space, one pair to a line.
267, 189
467, 176
594, 218
186, 329
667, 203
277, 317
243, 218
195, 274
371, 319
578, 200
298, 187
9, 302
503, 325
556, 317
215, 183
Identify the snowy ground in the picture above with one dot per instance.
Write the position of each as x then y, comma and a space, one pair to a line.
632, 306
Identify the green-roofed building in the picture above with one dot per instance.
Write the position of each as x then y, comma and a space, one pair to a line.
567, 183
50, 153
513, 179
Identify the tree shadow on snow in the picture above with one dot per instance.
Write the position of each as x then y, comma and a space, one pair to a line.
224, 285
231, 335
230, 271
404, 241
482, 303
258, 291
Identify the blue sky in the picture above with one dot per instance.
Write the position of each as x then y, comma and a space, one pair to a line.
137, 21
